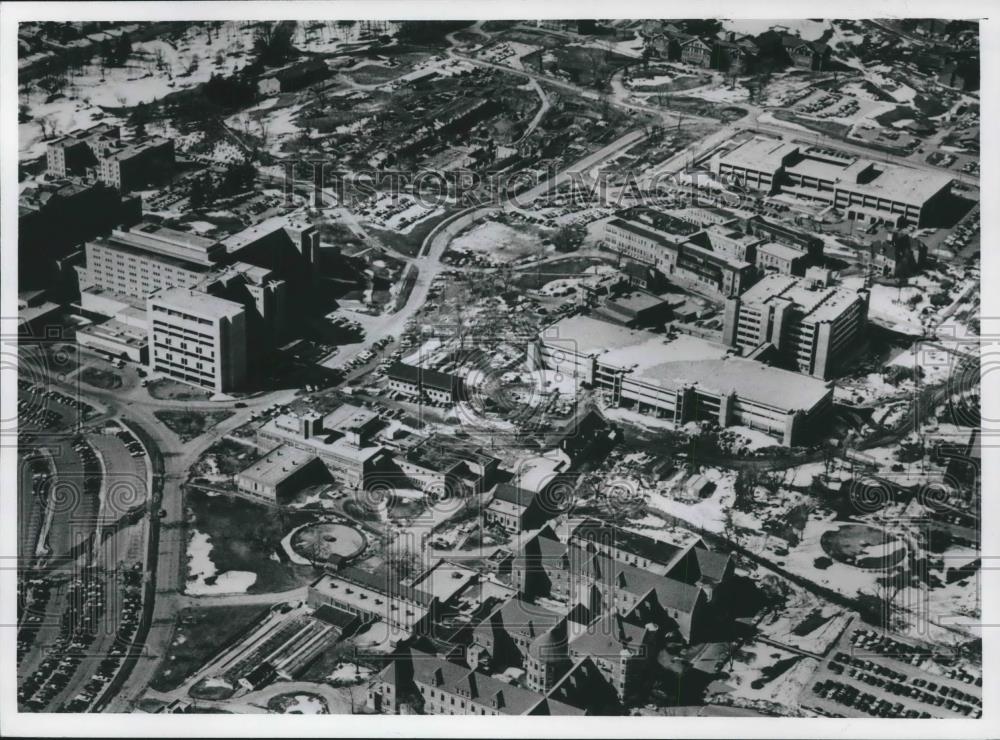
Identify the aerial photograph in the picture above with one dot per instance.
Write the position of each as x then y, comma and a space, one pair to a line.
498, 367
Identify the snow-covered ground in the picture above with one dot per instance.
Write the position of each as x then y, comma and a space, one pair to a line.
348, 672
201, 568
155, 69
748, 669
709, 513
810, 30
305, 704
502, 242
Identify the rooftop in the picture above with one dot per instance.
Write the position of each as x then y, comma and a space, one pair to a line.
815, 304
618, 346
782, 251
459, 680
748, 379
278, 464
760, 153
166, 243
444, 580
637, 300
349, 418
197, 303
286, 426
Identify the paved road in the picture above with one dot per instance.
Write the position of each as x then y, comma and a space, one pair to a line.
244, 599
582, 166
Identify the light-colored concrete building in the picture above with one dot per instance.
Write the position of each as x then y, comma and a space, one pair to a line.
197, 338
814, 328
148, 258
684, 379
864, 189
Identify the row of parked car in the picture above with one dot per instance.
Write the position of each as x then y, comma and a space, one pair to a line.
33, 596
107, 669
134, 447
851, 696
78, 628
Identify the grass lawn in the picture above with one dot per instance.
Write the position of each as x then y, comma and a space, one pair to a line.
98, 378
199, 634
190, 424
166, 389
244, 536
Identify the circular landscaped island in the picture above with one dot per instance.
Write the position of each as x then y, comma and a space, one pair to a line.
318, 542
863, 546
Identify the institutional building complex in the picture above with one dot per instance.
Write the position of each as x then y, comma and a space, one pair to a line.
863, 189
813, 328
684, 379
197, 338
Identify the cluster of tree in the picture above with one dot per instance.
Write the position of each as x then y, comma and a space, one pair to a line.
236, 91
569, 237
273, 44
237, 178
428, 32
114, 53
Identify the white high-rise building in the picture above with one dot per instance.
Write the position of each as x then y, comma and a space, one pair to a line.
198, 338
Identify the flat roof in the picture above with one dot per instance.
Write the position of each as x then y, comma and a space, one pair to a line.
265, 228
197, 303
748, 379
626, 348
759, 153
444, 580
896, 182
784, 251
818, 168
164, 242
286, 426
349, 417
815, 304
370, 594
132, 150
638, 300
278, 464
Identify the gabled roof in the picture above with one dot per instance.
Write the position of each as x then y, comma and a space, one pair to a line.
459, 681
514, 495
712, 564
670, 593
694, 39
608, 637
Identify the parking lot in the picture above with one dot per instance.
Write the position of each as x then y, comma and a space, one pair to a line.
874, 674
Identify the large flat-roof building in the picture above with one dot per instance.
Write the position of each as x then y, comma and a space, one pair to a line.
812, 327
862, 188
668, 244
136, 165
148, 258
281, 470
197, 338
73, 153
340, 440
684, 379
